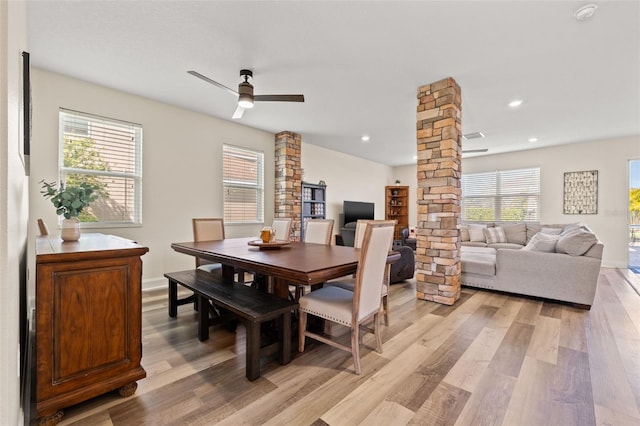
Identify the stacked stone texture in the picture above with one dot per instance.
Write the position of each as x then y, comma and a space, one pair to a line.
439, 149
288, 179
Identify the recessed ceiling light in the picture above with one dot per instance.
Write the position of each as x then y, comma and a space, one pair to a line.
415, 157
515, 103
585, 12
474, 135
365, 138
533, 140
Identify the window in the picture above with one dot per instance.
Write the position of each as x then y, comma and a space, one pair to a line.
243, 180
508, 195
107, 154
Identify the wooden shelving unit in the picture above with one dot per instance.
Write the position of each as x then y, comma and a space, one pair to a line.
314, 198
397, 207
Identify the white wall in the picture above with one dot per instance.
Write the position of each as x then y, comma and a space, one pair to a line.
13, 205
182, 164
408, 176
609, 157
347, 178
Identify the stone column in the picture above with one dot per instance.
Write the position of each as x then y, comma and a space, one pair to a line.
288, 179
439, 131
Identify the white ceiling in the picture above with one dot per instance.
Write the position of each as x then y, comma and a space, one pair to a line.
359, 64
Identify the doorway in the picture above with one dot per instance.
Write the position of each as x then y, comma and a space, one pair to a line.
634, 216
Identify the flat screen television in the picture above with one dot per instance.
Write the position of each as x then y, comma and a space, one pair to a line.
354, 210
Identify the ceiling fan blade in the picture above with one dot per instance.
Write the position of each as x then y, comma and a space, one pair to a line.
238, 113
215, 83
279, 98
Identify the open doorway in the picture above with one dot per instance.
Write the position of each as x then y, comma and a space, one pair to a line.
634, 216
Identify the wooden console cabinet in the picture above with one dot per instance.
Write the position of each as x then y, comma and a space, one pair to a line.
88, 320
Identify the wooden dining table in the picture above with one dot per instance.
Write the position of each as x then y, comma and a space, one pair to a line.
295, 263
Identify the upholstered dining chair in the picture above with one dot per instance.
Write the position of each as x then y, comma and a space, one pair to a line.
318, 231
208, 229
354, 309
349, 283
282, 226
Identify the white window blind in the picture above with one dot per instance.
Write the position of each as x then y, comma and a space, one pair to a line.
243, 180
107, 154
504, 195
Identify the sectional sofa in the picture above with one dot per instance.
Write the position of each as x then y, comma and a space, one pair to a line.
559, 262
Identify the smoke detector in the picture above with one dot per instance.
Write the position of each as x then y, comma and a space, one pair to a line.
585, 12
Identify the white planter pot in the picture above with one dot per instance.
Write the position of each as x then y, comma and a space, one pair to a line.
70, 229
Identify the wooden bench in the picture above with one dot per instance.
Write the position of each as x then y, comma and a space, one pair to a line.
252, 306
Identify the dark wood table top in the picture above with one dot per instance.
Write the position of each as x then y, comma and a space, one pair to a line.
299, 263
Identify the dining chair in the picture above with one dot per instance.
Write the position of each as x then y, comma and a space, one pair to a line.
349, 283
208, 229
204, 229
354, 309
318, 231
282, 227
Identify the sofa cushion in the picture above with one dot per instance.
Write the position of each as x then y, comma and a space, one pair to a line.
478, 263
494, 235
473, 244
511, 246
464, 233
543, 242
476, 232
534, 228
516, 233
576, 242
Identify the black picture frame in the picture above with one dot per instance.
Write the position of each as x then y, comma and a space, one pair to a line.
26, 104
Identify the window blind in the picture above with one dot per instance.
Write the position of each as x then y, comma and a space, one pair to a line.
243, 181
505, 195
107, 154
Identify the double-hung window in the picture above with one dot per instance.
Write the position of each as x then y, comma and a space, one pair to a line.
503, 195
243, 181
106, 154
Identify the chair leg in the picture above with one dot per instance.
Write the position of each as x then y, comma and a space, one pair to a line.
385, 306
376, 331
355, 347
302, 327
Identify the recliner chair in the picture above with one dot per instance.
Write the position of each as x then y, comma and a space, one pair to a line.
406, 241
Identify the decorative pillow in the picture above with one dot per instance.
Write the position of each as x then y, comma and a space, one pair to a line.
576, 242
495, 235
464, 233
476, 232
516, 233
543, 242
574, 227
552, 231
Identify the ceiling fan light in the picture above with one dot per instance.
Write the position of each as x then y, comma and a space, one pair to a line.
245, 101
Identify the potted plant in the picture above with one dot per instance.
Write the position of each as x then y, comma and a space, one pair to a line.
69, 202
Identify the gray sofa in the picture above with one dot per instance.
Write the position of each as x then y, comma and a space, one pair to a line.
561, 263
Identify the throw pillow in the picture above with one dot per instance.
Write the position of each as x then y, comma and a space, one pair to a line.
516, 233
543, 242
464, 233
476, 232
495, 235
576, 243
552, 231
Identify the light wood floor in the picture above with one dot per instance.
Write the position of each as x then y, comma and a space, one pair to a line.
489, 359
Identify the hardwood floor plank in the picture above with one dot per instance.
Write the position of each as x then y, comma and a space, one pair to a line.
442, 407
468, 371
545, 338
388, 413
572, 329
510, 354
532, 394
488, 404
357, 405
611, 387
572, 397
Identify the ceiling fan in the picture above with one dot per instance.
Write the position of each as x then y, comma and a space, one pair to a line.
245, 95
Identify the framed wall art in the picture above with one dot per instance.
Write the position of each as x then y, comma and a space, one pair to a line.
581, 192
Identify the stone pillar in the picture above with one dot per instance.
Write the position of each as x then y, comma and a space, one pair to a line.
288, 181
439, 131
